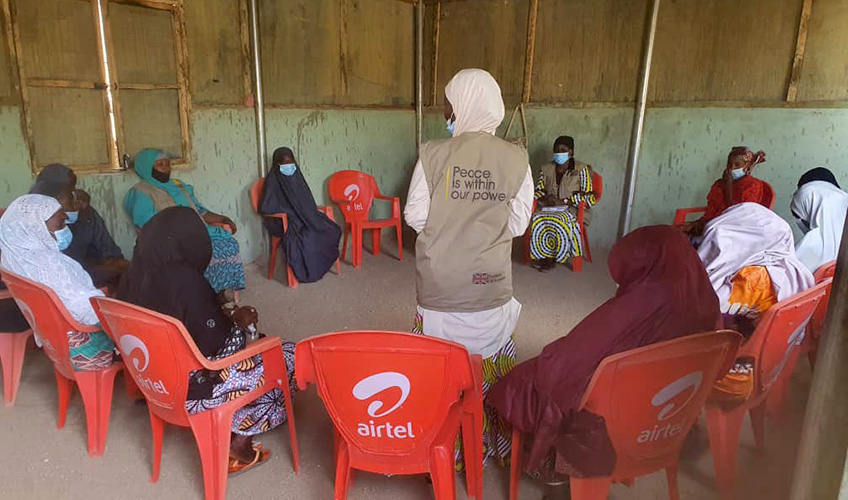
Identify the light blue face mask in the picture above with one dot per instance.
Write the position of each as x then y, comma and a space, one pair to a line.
288, 169
561, 158
738, 173
64, 237
72, 217
451, 127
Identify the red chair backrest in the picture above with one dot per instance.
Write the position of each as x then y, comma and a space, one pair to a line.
768, 196
817, 321
387, 393
256, 194
650, 397
779, 332
157, 351
353, 191
597, 186
48, 318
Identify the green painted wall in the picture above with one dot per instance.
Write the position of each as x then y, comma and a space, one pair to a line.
15, 175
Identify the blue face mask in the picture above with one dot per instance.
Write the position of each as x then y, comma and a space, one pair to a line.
737, 173
451, 127
288, 169
72, 217
561, 158
64, 237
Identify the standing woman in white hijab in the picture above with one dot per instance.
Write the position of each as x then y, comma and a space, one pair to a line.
470, 195
819, 207
32, 234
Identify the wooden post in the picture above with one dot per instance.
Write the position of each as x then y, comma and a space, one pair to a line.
821, 456
800, 50
26, 119
437, 26
531, 50
181, 53
343, 52
244, 33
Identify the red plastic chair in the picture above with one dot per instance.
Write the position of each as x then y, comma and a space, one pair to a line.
577, 262
650, 398
12, 351
397, 401
160, 354
681, 215
354, 192
255, 196
52, 322
772, 347
816, 325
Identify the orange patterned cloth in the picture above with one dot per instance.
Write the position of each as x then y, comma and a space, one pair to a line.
751, 295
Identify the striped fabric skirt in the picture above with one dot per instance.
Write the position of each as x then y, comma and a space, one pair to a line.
497, 434
263, 414
91, 351
225, 271
555, 235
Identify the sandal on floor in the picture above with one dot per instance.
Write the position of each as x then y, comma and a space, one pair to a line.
236, 467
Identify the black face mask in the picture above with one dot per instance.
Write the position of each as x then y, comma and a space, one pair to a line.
160, 176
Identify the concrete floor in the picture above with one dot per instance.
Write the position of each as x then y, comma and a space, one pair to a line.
43, 462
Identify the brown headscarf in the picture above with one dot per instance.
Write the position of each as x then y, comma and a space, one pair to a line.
663, 293
750, 157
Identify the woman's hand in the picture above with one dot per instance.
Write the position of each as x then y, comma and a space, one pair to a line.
213, 218
244, 316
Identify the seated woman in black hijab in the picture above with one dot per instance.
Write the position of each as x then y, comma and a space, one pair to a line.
312, 240
166, 275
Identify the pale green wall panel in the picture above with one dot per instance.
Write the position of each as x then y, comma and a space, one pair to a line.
15, 175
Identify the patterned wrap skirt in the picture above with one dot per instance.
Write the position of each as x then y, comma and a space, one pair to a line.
91, 351
225, 271
266, 412
555, 235
497, 434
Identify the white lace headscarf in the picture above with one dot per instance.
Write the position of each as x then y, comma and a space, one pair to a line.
28, 249
823, 206
749, 234
477, 101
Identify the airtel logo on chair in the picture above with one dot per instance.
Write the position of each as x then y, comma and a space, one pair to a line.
663, 429
373, 385
130, 344
352, 194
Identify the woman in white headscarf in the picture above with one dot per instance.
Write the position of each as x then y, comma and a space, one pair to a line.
819, 207
470, 195
750, 258
32, 233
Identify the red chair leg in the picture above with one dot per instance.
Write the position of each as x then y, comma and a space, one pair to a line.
292, 429
12, 351
758, 425
472, 447
356, 242
590, 488
671, 479
723, 428
375, 241
96, 390
157, 425
577, 264
272, 261
292, 279
212, 431
342, 471
443, 472
515, 464
66, 389
399, 241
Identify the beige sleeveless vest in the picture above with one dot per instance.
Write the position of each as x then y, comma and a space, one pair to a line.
160, 198
463, 255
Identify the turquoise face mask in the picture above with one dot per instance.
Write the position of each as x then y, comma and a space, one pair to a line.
64, 237
72, 217
451, 127
288, 169
561, 158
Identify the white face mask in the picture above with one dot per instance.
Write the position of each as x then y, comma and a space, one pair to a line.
737, 173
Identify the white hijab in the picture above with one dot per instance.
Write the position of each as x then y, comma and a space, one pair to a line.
476, 100
823, 206
750, 234
28, 249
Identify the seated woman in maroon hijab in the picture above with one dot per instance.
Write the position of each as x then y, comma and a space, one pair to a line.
664, 293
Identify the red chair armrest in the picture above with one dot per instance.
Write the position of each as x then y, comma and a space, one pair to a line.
681, 213
252, 349
477, 373
395, 204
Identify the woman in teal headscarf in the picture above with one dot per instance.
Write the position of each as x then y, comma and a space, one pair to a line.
157, 191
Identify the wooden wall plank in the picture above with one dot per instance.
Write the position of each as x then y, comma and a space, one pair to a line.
301, 51
718, 50
380, 52
825, 72
588, 50
143, 42
7, 77
486, 34
215, 51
